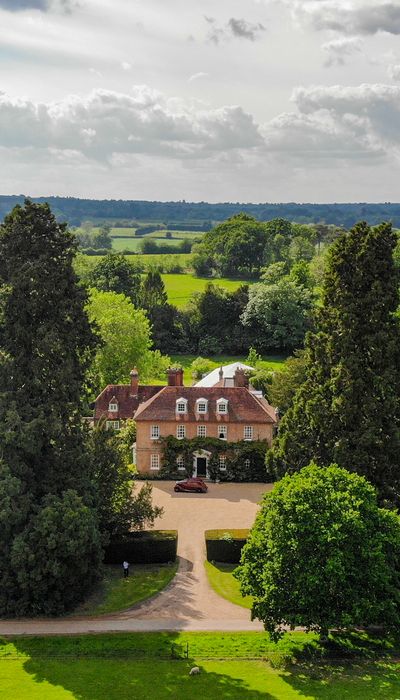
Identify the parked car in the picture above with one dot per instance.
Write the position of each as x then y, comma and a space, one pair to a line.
194, 484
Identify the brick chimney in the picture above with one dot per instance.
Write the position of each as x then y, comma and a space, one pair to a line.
134, 382
175, 376
241, 379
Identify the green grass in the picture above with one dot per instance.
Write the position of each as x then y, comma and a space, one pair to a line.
115, 667
181, 287
118, 593
126, 243
224, 584
128, 232
273, 362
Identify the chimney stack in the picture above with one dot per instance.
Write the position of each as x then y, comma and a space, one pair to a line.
221, 374
175, 376
134, 382
241, 379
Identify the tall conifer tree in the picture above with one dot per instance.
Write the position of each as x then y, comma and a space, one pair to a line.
348, 409
46, 344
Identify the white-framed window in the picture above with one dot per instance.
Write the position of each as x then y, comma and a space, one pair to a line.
180, 463
222, 406
154, 462
247, 463
201, 406
154, 432
113, 407
180, 432
201, 431
222, 432
222, 463
248, 432
112, 424
181, 406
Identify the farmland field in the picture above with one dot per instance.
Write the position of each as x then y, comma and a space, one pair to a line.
181, 287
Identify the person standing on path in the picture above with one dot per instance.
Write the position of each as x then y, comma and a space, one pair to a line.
126, 569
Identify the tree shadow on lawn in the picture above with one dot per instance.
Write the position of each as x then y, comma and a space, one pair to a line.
141, 679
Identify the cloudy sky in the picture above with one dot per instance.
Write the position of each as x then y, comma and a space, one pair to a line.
239, 100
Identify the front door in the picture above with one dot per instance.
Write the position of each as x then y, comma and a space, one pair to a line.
201, 464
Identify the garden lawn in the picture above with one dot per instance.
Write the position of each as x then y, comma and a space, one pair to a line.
273, 362
109, 667
115, 592
221, 579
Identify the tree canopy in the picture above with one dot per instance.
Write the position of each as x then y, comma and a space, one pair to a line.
46, 348
348, 408
322, 555
125, 335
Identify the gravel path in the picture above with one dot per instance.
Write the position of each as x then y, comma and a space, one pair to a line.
188, 602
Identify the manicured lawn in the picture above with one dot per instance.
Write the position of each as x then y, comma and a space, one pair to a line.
118, 593
135, 666
222, 581
273, 362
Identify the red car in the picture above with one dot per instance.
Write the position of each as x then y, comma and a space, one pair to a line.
193, 485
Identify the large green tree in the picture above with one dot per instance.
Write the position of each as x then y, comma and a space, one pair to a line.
278, 315
115, 274
46, 347
322, 555
125, 334
348, 409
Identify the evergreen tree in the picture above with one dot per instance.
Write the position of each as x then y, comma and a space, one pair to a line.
153, 291
348, 410
46, 346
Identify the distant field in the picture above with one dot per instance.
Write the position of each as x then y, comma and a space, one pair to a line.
126, 243
181, 287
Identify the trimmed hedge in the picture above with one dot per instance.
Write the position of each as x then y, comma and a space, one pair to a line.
225, 546
145, 547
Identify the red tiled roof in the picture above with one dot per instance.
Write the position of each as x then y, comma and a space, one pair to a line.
243, 406
127, 404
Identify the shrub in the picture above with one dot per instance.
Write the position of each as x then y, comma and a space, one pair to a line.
225, 545
146, 547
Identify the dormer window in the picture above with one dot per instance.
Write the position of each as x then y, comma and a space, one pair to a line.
222, 406
113, 406
201, 406
181, 406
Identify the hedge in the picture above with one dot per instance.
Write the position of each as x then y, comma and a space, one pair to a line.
145, 547
225, 546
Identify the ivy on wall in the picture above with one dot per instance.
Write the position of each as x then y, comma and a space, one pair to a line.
245, 460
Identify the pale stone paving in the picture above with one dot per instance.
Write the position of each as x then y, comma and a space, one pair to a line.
188, 602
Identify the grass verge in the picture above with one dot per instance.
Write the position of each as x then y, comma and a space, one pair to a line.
154, 665
116, 593
221, 579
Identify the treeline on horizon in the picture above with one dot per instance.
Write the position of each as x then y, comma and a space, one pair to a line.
74, 211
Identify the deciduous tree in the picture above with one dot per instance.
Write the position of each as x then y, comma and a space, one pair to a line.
322, 554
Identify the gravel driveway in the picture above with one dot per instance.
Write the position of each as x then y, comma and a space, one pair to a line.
188, 602
189, 596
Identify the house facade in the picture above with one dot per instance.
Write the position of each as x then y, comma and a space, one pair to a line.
228, 414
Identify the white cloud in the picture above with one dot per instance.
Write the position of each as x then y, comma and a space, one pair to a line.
394, 71
126, 66
339, 50
197, 76
233, 28
353, 19
107, 122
